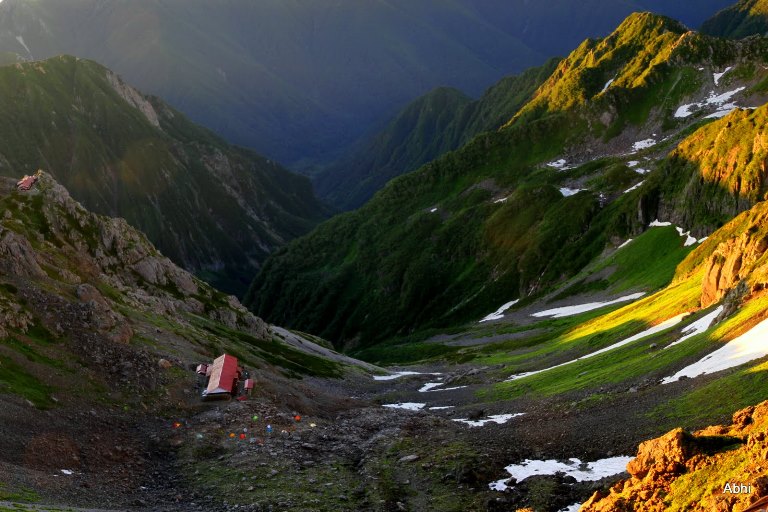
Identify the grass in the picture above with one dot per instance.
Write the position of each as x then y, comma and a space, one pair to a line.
21, 494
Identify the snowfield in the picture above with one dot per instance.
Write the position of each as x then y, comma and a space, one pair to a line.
560, 165
499, 313
643, 144
581, 471
397, 375
567, 192
718, 76
699, 326
408, 406
499, 419
751, 345
583, 308
630, 189
722, 102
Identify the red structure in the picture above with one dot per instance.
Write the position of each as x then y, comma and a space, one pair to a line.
224, 376
26, 183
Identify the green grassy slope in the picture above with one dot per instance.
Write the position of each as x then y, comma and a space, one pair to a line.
216, 209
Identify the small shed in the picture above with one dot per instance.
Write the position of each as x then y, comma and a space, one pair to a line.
224, 375
26, 183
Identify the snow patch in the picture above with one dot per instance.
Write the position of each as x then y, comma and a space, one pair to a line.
658, 224
408, 406
433, 210
499, 419
22, 43
642, 171
751, 345
581, 471
441, 407
567, 192
560, 165
632, 163
397, 375
67, 471
499, 313
648, 332
431, 387
720, 101
583, 308
643, 144
573, 508
625, 244
635, 187
502, 200
607, 85
718, 76
699, 326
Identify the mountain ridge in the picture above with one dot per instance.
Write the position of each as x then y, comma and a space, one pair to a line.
497, 218
128, 155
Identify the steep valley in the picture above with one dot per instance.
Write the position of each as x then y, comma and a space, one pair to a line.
569, 306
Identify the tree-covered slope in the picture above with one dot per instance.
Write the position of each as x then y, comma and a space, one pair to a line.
215, 209
487, 223
743, 19
438, 122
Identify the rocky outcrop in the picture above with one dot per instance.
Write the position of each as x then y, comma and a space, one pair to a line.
734, 256
689, 459
106, 252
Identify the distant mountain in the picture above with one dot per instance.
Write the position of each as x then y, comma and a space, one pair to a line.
519, 210
745, 18
440, 121
215, 209
300, 80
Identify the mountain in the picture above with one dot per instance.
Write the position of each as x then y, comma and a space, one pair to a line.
440, 121
213, 208
99, 338
299, 81
743, 19
501, 217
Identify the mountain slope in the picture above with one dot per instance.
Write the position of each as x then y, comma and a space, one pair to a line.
436, 123
494, 221
298, 81
99, 338
743, 19
215, 209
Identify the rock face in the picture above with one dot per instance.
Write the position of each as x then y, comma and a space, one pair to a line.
101, 254
734, 254
668, 468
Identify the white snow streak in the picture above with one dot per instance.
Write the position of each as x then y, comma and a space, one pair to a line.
397, 375
634, 187
625, 244
751, 345
583, 308
499, 313
699, 326
607, 85
718, 76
